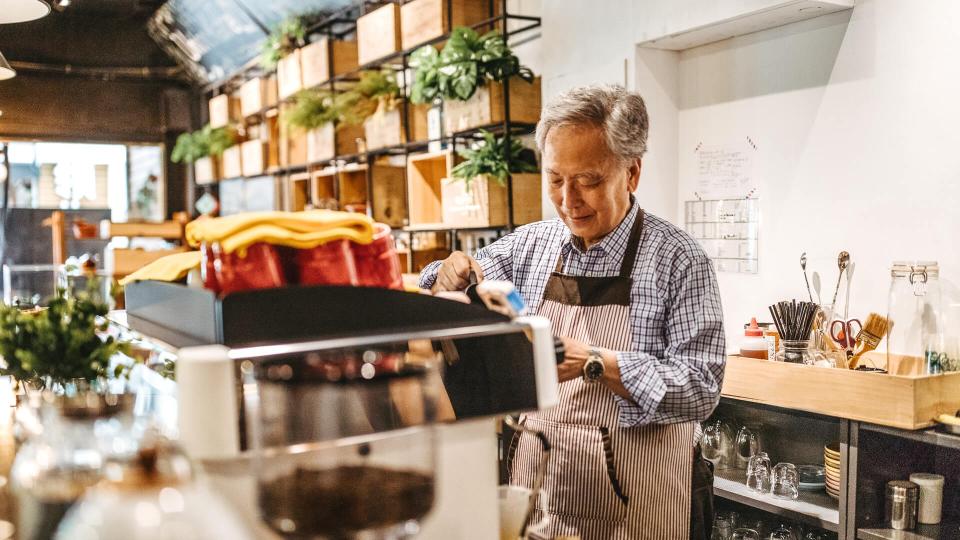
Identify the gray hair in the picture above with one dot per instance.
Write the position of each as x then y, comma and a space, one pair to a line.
621, 115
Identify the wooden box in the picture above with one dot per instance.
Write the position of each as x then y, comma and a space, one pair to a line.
423, 20
257, 94
298, 192
425, 173
906, 402
378, 34
254, 160
232, 162
389, 200
289, 75
206, 170
323, 188
385, 127
315, 60
486, 106
485, 203
224, 110
327, 142
292, 145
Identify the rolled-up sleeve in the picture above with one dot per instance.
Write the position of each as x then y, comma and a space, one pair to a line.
683, 385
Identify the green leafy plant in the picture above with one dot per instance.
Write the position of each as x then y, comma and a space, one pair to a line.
375, 89
60, 343
290, 34
314, 108
489, 158
466, 62
204, 142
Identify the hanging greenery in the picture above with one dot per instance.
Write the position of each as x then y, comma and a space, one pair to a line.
204, 142
488, 158
290, 34
374, 90
314, 108
467, 61
60, 343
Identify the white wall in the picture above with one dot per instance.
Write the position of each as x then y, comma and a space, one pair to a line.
853, 114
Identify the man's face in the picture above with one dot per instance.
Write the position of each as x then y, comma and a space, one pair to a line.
589, 187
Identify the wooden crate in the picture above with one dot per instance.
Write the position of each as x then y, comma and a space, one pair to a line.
315, 60
170, 229
422, 257
271, 130
423, 20
386, 127
389, 200
486, 106
323, 188
378, 34
224, 110
232, 162
298, 192
289, 75
906, 402
257, 94
254, 160
206, 170
425, 173
485, 203
327, 142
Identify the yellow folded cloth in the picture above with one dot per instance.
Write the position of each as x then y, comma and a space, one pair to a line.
169, 268
302, 230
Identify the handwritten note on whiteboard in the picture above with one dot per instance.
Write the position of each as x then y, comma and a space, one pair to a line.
725, 171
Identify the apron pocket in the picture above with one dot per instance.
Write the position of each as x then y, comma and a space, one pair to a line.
581, 478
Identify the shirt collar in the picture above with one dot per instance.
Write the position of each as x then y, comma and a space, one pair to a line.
614, 244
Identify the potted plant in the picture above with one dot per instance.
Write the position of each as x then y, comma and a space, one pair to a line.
467, 61
469, 75
203, 148
321, 114
476, 193
285, 38
59, 344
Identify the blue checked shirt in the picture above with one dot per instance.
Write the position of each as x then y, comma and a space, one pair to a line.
675, 365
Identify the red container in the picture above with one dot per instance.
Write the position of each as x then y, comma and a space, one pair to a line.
207, 271
259, 268
327, 264
377, 262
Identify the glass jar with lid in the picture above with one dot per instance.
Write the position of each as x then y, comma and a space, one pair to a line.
915, 341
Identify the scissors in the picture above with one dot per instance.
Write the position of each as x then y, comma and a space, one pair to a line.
845, 332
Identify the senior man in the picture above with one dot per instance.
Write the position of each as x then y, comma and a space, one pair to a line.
635, 301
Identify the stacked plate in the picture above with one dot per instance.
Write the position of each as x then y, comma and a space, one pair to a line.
831, 466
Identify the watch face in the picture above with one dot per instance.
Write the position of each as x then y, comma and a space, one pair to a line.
593, 370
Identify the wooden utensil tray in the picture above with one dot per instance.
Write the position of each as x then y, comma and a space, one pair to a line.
906, 402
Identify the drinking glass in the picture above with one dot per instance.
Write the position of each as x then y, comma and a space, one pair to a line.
711, 443
722, 527
785, 483
758, 473
748, 444
746, 534
782, 533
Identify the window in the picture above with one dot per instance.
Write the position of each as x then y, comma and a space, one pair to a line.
126, 179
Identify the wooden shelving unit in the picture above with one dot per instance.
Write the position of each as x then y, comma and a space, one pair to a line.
302, 183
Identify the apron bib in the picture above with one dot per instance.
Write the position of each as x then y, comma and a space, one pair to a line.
603, 481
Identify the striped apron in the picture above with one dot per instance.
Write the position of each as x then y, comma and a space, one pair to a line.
603, 481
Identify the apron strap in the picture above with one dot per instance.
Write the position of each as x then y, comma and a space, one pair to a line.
633, 245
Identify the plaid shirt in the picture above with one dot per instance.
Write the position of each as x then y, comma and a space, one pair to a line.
675, 365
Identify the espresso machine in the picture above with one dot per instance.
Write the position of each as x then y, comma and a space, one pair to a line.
373, 429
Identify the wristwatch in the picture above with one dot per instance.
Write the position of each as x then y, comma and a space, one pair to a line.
593, 367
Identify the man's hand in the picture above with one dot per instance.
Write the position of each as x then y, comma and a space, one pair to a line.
574, 356
454, 273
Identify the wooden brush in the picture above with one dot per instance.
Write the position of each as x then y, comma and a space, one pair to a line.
869, 337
